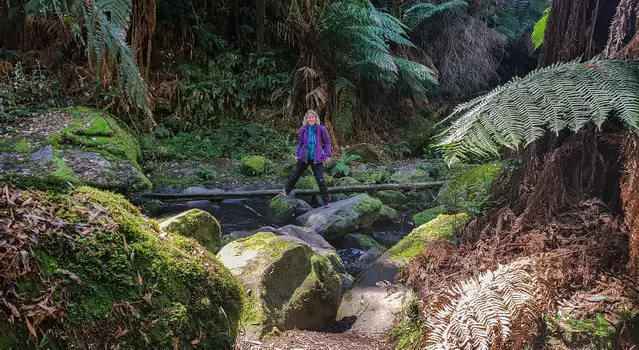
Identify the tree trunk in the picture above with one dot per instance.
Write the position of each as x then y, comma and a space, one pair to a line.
261, 27
630, 197
576, 28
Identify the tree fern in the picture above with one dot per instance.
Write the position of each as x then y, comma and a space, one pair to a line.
537, 35
419, 12
105, 23
559, 97
357, 36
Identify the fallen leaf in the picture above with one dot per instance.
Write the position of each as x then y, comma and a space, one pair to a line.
14, 310
31, 329
73, 276
140, 282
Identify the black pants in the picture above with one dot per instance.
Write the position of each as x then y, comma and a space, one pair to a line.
318, 171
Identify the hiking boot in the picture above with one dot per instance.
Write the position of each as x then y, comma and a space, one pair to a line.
328, 205
285, 195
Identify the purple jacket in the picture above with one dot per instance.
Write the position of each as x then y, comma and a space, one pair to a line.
322, 143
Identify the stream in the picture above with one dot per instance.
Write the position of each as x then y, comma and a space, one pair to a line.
251, 214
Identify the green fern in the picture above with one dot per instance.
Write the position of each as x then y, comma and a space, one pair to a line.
418, 13
105, 23
537, 35
342, 167
559, 97
346, 102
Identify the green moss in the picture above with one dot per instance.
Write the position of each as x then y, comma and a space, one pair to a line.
199, 225
368, 205
281, 206
428, 215
22, 146
388, 213
369, 177
392, 198
444, 226
153, 207
252, 166
123, 275
63, 173
469, 190
307, 182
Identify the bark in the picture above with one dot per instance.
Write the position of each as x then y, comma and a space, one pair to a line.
576, 28
630, 197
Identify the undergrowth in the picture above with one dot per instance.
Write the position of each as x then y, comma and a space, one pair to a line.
230, 141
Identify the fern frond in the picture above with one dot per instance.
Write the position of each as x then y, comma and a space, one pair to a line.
346, 102
418, 13
417, 76
537, 35
480, 313
562, 96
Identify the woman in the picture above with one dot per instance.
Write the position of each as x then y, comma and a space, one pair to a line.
314, 149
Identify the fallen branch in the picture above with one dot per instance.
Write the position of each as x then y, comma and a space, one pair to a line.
271, 193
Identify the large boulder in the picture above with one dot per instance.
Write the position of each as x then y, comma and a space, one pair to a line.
197, 224
109, 278
289, 285
310, 237
343, 216
375, 307
77, 146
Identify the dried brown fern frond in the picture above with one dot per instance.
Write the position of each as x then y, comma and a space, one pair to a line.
498, 309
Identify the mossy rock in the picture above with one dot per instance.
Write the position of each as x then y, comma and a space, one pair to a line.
367, 152
428, 215
410, 174
78, 146
290, 285
343, 216
361, 242
370, 177
117, 280
284, 208
469, 190
346, 181
388, 214
417, 133
252, 166
197, 224
411, 246
392, 198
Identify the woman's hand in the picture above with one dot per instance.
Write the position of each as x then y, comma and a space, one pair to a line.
328, 160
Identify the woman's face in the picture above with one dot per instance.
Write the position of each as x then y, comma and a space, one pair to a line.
311, 119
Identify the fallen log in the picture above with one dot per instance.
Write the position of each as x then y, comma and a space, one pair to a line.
173, 197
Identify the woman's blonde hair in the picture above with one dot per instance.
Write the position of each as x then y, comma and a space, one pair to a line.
309, 112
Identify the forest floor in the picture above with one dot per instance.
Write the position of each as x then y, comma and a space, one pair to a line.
310, 340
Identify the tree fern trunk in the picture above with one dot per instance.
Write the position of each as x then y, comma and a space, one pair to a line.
576, 28
630, 197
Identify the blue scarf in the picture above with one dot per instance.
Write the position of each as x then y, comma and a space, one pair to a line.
311, 141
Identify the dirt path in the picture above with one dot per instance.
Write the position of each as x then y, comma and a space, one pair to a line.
308, 340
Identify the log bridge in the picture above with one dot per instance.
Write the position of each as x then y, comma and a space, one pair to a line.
176, 197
